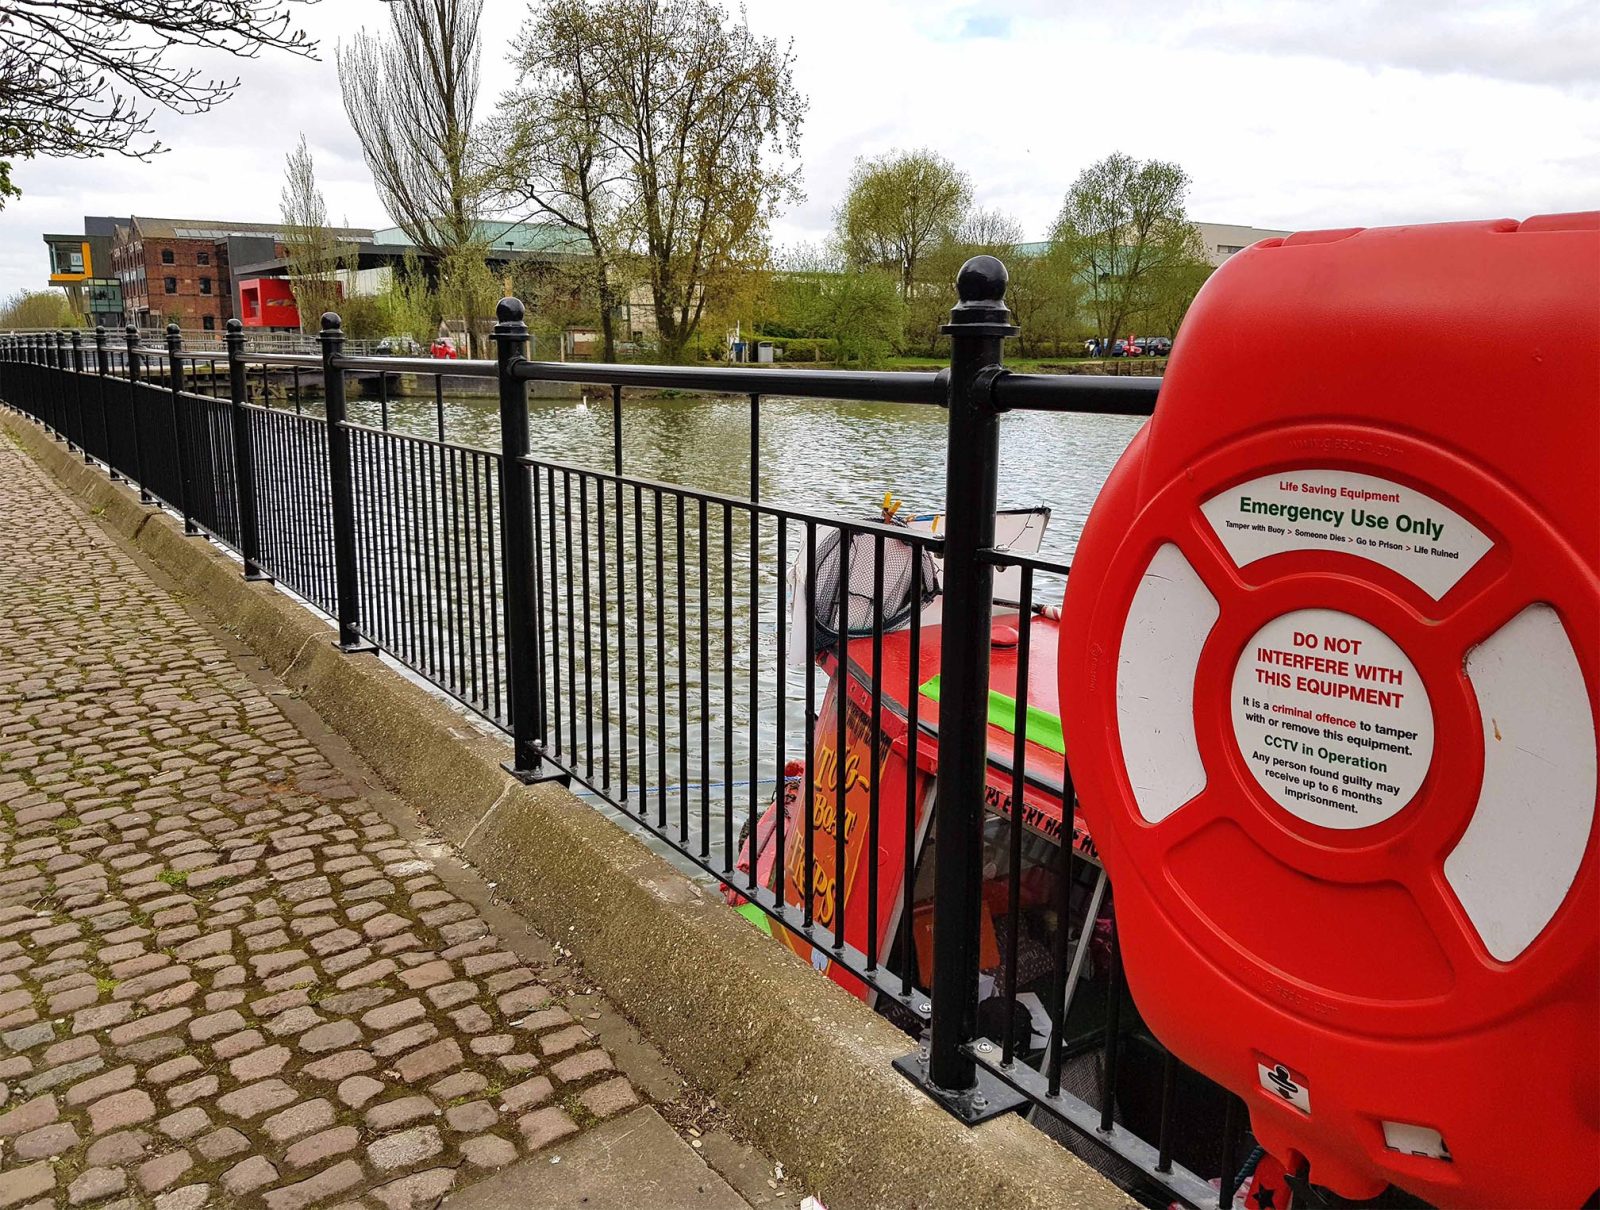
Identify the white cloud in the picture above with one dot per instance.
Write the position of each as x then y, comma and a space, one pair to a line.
1295, 114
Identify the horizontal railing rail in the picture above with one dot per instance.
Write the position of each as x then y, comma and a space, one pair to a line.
815, 711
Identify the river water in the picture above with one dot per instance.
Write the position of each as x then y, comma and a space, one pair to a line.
671, 691
820, 455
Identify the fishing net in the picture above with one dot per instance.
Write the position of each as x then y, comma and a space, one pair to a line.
847, 596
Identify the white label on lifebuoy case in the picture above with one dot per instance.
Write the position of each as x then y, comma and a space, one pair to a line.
1400, 527
1332, 718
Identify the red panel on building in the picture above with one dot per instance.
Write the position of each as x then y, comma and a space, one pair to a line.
268, 302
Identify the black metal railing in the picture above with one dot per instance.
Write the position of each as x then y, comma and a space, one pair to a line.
740, 678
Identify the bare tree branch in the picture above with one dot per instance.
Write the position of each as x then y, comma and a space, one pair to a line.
73, 72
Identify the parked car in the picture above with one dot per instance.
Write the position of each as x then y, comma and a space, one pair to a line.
1156, 346
1127, 348
442, 348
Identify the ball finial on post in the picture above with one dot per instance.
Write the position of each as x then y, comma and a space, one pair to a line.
981, 288
510, 313
982, 279
332, 323
235, 325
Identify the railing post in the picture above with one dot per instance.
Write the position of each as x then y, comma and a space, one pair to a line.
77, 391
244, 463
131, 335
102, 370
979, 324
516, 535
341, 489
175, 382
57, 342
47, 397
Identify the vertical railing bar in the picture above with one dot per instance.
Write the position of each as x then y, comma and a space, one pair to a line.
755, 448
1169, 1087
1066, 855
175, 401
727, 670
639, 614
661, 669
622, 647
567, 568
430, 643
681, 588
539, 616
908, 953
140, 468
1019, 756
616, 430
753, 765
841, 710
78, 391
555, 611
873, 799
1112, 1042
705, 702
1230, 1152
781, 684
496, 601
605, 629
588, 627
808, 639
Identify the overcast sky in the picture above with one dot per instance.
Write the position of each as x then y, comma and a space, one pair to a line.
1295, 114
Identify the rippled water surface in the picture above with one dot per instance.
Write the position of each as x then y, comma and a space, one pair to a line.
815, 454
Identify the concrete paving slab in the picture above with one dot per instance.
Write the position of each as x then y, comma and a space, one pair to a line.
635, 1162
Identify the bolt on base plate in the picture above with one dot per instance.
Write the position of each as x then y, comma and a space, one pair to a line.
988, 1098
531, 777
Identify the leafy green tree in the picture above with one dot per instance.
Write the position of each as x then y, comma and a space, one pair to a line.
899, 207
73, 73
1122, 226
411, 97
662, 132
409, 305
315, 254
864, 316
39, 309
1173, 286
856, 314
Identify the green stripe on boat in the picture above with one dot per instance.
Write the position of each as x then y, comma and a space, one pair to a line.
1044, 728
756, 917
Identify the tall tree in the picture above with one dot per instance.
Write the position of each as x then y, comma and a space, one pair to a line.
73, 73
1173, 286
38, 309
314, 252
1122, 225
411, 97
900, 206
555, 144
662, 131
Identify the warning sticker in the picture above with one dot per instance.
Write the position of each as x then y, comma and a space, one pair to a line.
1283, 1082
1332, 718
1317, 509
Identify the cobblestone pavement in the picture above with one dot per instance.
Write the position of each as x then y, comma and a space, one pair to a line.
226, 978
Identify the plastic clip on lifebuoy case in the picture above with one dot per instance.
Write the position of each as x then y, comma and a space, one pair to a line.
1330, 704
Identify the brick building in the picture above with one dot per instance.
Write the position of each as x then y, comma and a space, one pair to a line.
180, 269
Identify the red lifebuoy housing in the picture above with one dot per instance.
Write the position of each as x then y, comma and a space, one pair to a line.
1331, 696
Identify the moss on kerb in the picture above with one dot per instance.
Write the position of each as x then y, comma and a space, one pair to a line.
802, 1067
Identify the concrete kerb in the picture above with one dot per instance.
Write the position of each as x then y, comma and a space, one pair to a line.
803, 1067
